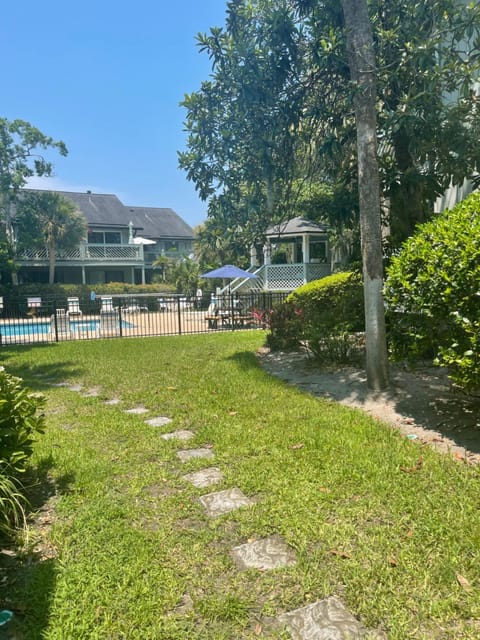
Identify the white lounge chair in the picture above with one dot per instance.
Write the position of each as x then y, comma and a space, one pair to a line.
73, 307
33, 304
107, 305
108, 317
60, 322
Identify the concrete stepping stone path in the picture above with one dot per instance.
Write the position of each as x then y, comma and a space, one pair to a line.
326, 620
204, 477
189, 454
267, 553
75, 387
113, 401
221, 502
159, 421
94, 392
181, 434
136, 410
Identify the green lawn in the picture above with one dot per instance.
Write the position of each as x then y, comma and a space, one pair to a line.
136, 557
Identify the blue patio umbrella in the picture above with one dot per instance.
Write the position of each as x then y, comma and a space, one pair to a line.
229, 271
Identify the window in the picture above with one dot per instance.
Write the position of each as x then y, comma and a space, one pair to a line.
95, 237
113, 237
318, 251
104, 237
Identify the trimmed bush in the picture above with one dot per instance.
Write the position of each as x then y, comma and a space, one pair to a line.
19, 423
433, 294
318, 313
334, 303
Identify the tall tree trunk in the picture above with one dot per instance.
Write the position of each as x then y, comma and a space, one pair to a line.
362, 70
5, 209
52, 254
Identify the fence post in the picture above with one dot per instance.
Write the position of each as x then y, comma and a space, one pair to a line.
120, 319
179, 316
55, 322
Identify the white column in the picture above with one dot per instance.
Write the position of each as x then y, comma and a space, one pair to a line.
306, 248
253, 256
267, 253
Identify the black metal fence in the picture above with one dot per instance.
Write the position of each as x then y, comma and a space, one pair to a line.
42, 320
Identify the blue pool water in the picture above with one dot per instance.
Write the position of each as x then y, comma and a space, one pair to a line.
20, 329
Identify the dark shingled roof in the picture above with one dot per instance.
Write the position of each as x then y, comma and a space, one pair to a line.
106, 210
159, 223
295, 227
100, 209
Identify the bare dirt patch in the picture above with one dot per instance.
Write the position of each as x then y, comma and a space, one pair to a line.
421, 403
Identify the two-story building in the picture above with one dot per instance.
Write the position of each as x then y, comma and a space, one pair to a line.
122, 243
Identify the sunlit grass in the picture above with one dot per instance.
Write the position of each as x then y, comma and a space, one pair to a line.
137, 556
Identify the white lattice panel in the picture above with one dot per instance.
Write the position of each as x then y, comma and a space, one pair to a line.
317, 271
283, 277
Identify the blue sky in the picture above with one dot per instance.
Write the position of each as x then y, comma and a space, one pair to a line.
106, 78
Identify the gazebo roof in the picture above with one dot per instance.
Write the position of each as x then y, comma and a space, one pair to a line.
296, 227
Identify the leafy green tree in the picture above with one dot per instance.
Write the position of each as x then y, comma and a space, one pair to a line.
428, 60
185, 275
48, 220
277, 113
165, 265
243, 123
20, 158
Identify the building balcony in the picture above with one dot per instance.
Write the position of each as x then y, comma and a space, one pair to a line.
86, 255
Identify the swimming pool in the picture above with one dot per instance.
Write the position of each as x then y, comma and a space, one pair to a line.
41, 328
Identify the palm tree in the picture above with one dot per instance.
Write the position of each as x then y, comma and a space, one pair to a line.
48, 220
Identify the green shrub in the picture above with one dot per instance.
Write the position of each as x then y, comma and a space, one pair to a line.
433, 294
19, 422
335, 303
317, 311
12, 502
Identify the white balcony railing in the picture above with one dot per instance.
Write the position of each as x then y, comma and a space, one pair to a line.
87, 253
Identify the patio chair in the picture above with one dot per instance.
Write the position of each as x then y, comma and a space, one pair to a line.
108, 317
107, 306
73, 307
60, 321
33, 304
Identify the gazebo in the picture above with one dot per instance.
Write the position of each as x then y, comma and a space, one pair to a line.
295, 252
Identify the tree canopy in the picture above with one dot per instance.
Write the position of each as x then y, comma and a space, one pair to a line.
276, 116
48, 220
21, 147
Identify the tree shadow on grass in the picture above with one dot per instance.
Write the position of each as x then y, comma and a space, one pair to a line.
41, 376
420, 402
28, 571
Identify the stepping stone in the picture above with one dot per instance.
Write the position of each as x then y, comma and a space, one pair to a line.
181, 434
204, 477
113, 401
268, 553
189, 454
59, 384
91, 393
137, 410
159, 421
220, 502
326, 620
75, 387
